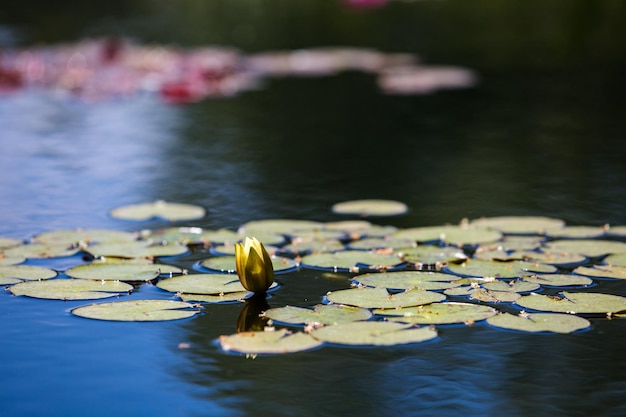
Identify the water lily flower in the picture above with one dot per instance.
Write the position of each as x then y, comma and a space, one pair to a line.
254, 265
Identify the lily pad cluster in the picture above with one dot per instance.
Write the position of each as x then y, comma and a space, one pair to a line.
402, 286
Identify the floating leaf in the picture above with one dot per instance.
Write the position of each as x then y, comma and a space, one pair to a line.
488, 296
513, 286
373, 333
514, 269
136, 249
202, 284
277, 226
587, 247
431, 257
519, 224
454, 235
159, 208
381, 243
10, 260
380, 298
404, 280
70, 289
226, 264
191, 236
88, 236
540, 322
439, 313
576, 232
12, 274
217, 298
602, 271
138, 310
559, 280
323, 314
317, 234
313, 246
370, 207
617, 231
9, 242
350, 260
574, 302
618, 259
116, 271
41, 250
270, 342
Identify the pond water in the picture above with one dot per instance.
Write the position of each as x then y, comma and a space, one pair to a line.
540, 134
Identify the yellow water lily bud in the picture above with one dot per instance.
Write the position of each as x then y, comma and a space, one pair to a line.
254, 265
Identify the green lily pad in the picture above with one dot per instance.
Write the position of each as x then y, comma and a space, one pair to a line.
381, 243
464, 290
13, 274
10, 260
489, 296
9, 242
429, 256
70, 289
519, 224
323, 314
513, 286
191, 236
317, 234
117, 271
617, 259
439, 313
202, 284
559, 280
514, 269
404, 280
228, 297
136, 249
617, 231
373, 333
313, 246
497, 254
370, 207
226, 264
454, 235
540, 322
41, 250
602, 271
138, 310
576, 232
350, 260
378, 297
270, 342
574, 302
521, 243
159, 208
587, 247
87, 236
277, 226
350, 227
561, 259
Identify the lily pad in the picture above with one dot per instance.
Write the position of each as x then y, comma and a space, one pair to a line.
116, 271
270, 342
617, 231
513, 286
9, 242
519, 224
574, 302
439, 313
13, 274
540, 322
202, 284
489, 296
380, 298
10, 260
226, 264
431, 257
87, 236
602, 271
138, 310
350, 260
159, 208
191, 236
313, 246
42, 250
404, 280
322, 314
136, 249
559, 280
277, 226
381, 243
70, 289
373, 333
576, 232
514, 269
366, 208
587, 247
228, 297
454, 235
617, 259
